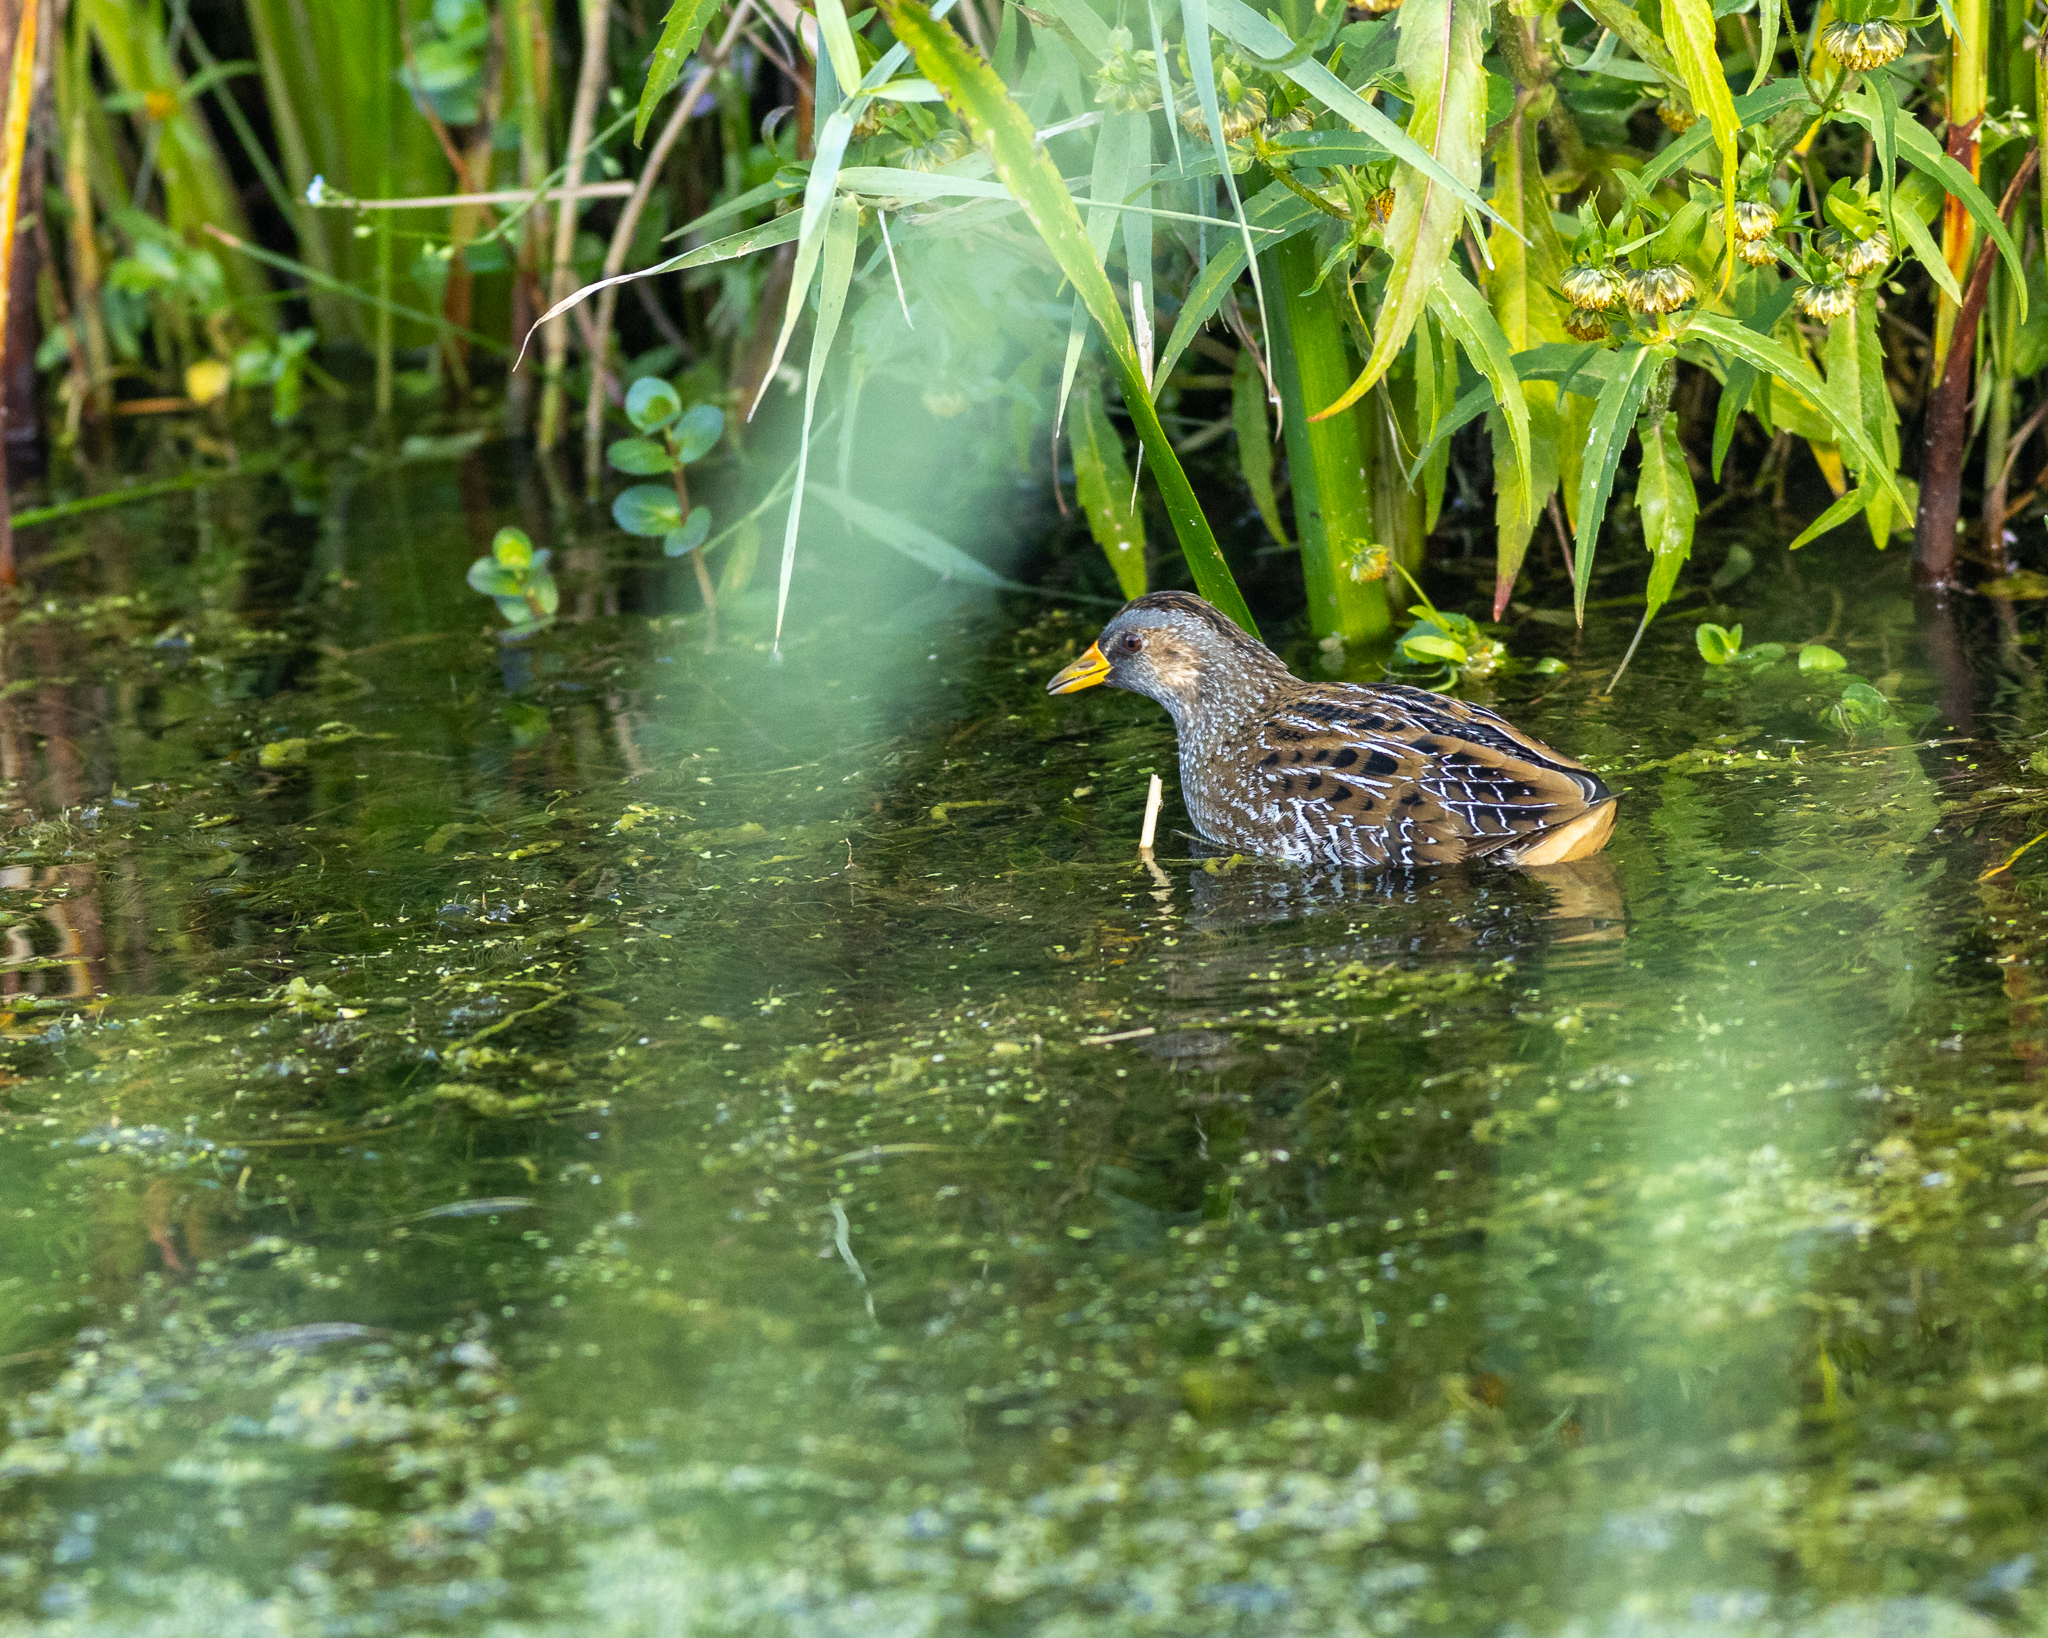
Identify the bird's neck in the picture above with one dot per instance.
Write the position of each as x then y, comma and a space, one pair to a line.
1236, 688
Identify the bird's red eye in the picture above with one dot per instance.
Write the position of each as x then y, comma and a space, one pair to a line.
1132, 642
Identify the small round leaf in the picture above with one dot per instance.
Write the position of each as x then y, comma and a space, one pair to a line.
700, 428
492, 578
651, 403
512, 548
647, 509
1819, 657
640, 456
695, 530
1427, 645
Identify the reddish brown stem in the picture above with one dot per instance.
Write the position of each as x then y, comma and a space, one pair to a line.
1948, 413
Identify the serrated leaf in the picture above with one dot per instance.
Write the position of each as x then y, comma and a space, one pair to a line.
1668, 506
1778, 360
680, 32
1918, 148
1613, 416
641, 457
1471, 323
1440, 54
647, 509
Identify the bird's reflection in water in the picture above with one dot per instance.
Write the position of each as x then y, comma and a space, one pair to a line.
1242, 915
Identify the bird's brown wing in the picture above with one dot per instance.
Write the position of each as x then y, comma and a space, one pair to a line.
1405, 777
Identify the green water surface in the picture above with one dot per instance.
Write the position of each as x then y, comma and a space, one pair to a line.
596, 1135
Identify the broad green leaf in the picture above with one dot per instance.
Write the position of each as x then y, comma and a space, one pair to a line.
841, 240
1776, 359
492, 578
680, 33
1717, 644
1255, 440
1103, 480
913, 540
698, 432
651, 403
1612, 417
1668, 506
1000, 127
1833, 518
696, 527
1238, 22
1440, 54
1819, 657
647, 509
642, 457
1427, 645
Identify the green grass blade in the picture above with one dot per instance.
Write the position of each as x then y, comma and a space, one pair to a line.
1194, 15
1768, 14
913, 540
1274, 209
1103, 479
841, 238
744, 243
1255, 441
999, 126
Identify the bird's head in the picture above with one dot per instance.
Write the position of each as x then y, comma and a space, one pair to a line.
1174, 648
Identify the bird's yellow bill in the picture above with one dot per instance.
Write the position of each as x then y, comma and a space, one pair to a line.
1085, 672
